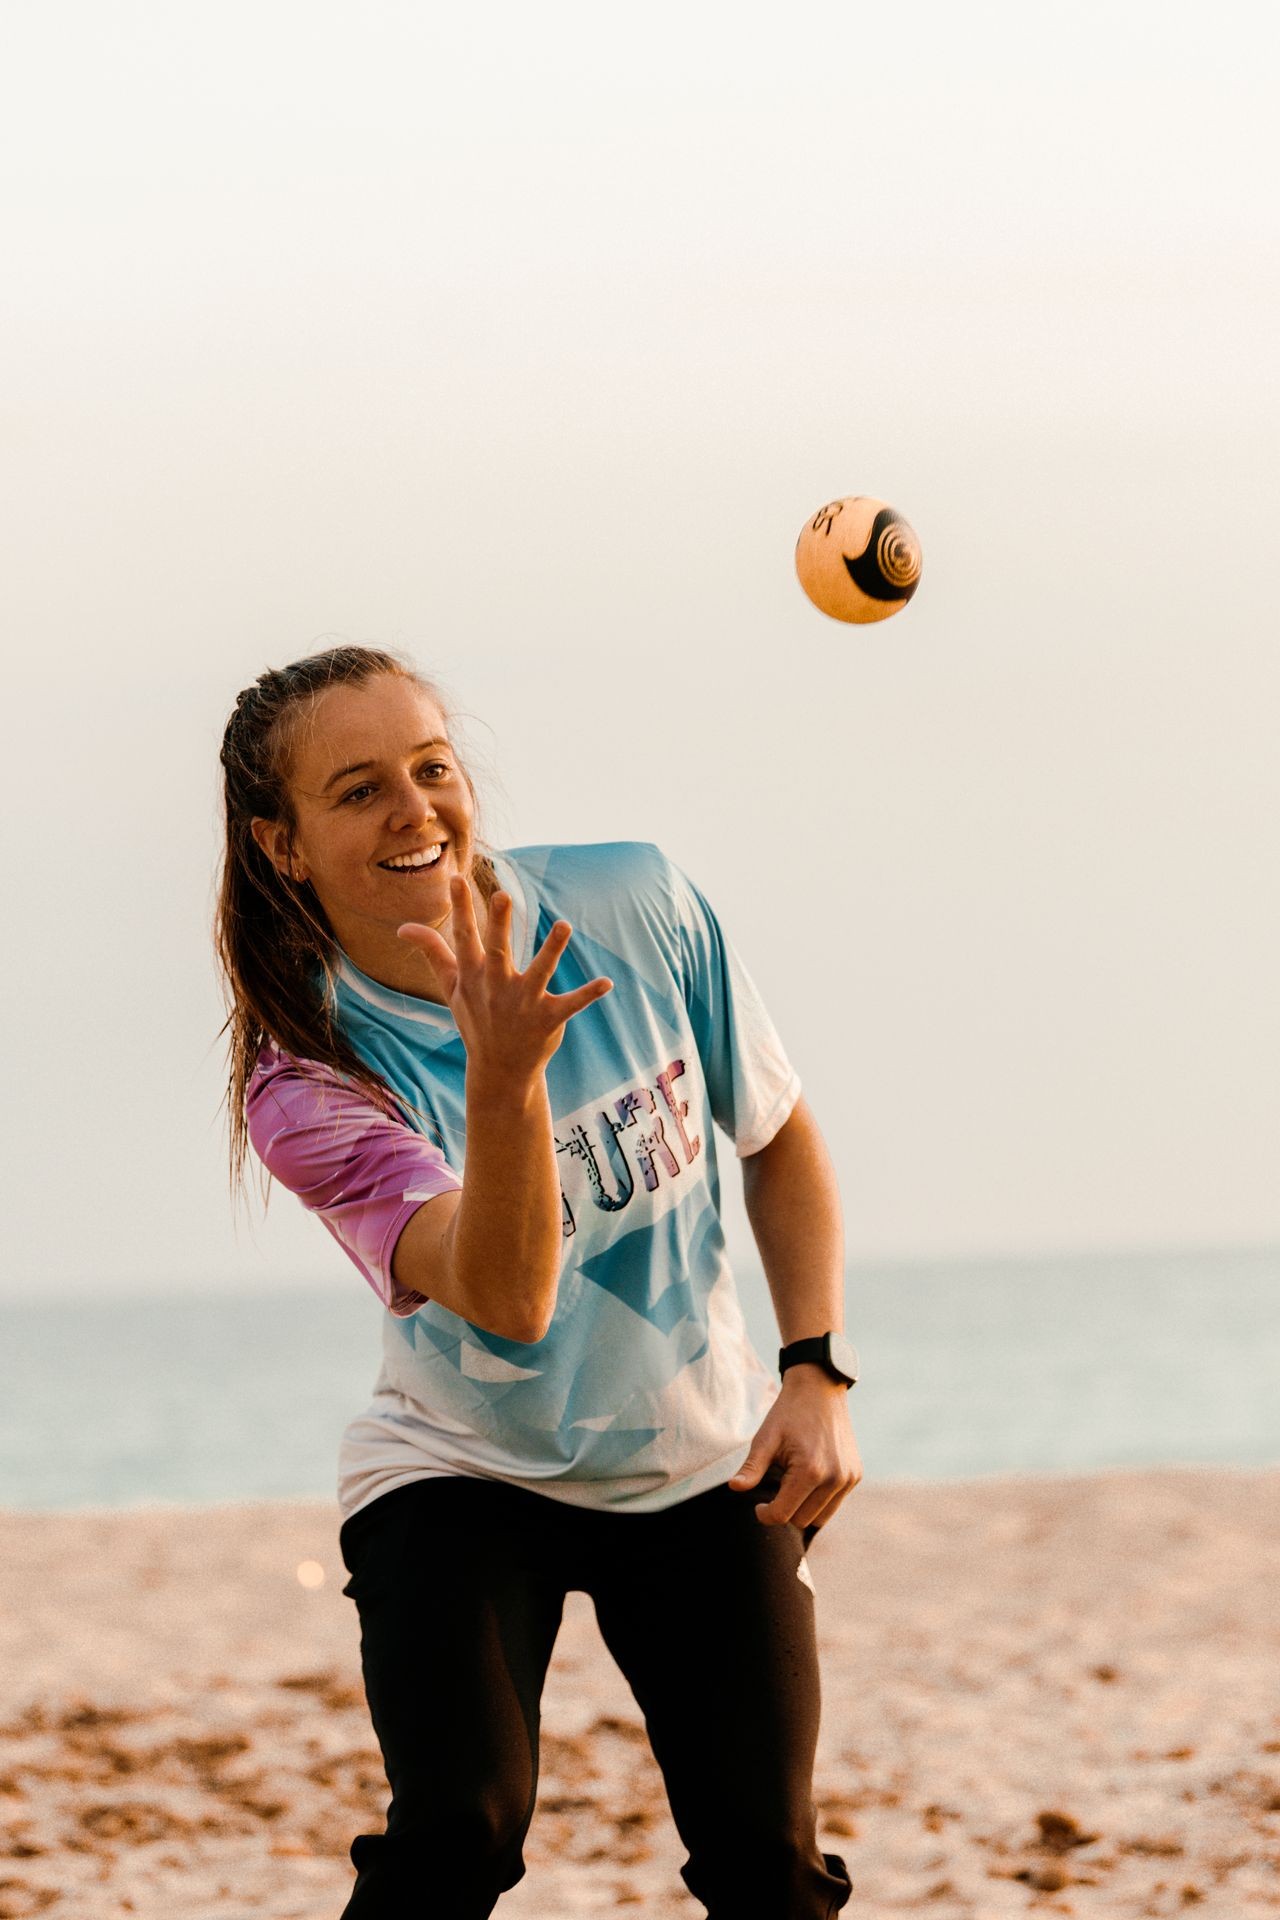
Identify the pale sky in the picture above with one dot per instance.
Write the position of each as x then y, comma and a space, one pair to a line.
525, 341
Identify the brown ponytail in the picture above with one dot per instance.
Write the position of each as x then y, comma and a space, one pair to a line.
270, 933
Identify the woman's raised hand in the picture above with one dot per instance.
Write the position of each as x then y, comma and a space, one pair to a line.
510, 1024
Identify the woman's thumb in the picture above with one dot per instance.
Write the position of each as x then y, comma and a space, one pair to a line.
749, 1473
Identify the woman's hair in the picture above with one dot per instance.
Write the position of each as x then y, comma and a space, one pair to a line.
272, 937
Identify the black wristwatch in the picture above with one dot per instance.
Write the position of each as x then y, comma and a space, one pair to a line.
830, 1350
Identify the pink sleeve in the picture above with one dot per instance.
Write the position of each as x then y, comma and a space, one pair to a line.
361, 1171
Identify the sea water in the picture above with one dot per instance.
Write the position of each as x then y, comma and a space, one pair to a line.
968, 1368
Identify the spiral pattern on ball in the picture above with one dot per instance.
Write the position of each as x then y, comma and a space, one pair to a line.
898, 555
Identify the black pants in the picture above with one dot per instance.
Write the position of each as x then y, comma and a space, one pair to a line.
460, 1585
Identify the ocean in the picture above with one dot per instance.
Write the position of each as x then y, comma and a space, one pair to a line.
969, 1368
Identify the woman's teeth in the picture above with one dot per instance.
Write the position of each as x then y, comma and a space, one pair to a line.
414, 862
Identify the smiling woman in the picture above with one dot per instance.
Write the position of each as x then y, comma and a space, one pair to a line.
511, 1133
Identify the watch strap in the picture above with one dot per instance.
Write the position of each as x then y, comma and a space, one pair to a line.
801, 1352
817, 1351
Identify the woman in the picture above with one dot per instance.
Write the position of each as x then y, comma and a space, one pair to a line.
528, 1181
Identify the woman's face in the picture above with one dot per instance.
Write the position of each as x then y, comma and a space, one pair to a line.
373, 778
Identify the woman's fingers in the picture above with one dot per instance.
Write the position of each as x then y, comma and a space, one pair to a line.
543, 965
467, 943
496, 998
497, 932
429, 939
567, 1004
547, 958
432, 943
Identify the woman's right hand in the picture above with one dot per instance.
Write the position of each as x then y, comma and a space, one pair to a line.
510, 1024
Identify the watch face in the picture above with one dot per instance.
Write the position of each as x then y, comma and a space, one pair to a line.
844, 1355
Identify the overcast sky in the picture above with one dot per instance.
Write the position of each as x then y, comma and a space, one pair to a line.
525, 340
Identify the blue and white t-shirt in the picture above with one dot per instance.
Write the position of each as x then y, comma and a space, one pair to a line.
645, 1389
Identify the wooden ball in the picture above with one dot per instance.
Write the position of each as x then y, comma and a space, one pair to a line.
858, 560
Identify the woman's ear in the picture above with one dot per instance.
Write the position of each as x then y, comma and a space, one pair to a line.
273, 838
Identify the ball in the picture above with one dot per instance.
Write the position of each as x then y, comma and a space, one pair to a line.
857, 559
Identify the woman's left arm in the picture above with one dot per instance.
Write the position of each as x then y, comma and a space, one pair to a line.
793, 1204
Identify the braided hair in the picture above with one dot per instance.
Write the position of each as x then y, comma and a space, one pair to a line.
275, 948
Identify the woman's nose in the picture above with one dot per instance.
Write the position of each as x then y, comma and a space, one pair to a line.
410, 804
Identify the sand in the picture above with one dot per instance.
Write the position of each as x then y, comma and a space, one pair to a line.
1041, 1695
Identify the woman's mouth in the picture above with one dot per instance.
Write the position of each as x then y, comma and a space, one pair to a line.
421, 862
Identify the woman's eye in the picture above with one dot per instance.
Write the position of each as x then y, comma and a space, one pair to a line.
431, 766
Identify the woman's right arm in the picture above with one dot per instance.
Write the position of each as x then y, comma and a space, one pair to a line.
492, 1252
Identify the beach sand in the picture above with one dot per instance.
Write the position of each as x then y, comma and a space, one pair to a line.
1041, 1695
